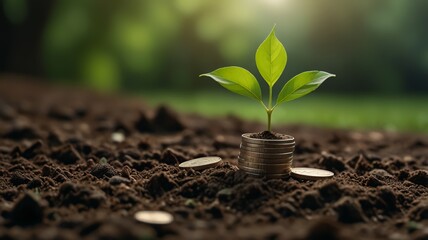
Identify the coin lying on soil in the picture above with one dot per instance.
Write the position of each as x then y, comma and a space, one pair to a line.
154, 217
200, 163
310, 173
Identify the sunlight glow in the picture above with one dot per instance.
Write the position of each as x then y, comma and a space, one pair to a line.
274, 2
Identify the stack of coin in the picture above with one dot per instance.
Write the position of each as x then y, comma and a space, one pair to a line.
266, 157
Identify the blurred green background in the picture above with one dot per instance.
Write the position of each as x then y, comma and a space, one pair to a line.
156, 49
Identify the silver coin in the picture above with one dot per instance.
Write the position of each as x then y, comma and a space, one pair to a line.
267, 150
272, 146
263, 171
154, 217
200, 163
265, 144
288, 160
287, 138
264, 165
265, 160
246, 137
118, 137
266, 141
271, 176
310, 173
265, 155
267, 169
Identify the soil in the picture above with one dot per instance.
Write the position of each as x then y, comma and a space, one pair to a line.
64, 174
269, 135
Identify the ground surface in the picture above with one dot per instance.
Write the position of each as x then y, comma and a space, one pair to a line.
56, 184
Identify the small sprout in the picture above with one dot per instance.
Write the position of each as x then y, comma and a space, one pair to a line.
190, 203
37, 192
271, 59
103, 160
225, 194
413, 226
118, 137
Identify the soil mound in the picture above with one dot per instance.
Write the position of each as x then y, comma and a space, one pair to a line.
65, 175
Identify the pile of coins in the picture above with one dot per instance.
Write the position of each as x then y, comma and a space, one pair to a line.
271, 158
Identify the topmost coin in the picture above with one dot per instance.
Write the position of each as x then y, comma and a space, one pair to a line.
247, 138
201, 163
310, 173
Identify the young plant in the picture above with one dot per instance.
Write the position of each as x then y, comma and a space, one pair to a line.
271, 59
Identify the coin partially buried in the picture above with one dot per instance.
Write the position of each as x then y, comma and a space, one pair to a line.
310, 173
200, 163
154, 217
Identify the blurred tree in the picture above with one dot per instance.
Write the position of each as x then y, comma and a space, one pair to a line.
22, 23
377, 46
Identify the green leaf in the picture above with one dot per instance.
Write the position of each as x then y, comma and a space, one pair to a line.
271, 58
237, 80
302, 84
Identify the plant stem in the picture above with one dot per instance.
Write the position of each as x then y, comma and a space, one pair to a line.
270, 109
269, 115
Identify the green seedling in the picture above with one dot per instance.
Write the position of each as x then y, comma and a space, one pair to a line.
37, 192
271, 59
190, 203
103, 160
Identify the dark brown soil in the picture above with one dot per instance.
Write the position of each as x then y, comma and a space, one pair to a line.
63, 176
269, 135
